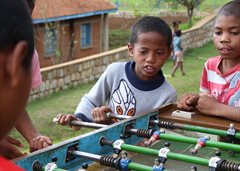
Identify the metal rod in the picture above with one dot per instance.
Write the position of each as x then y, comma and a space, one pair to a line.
84, 124
104, 141
153, 152
91, 156
131, 165
141, 132
197, 129
208, 130
170, 155
132, 131
120, 117
141, 167
209, 143
95, 125
87, 124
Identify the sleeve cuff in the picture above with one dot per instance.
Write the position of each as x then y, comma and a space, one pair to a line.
83, 117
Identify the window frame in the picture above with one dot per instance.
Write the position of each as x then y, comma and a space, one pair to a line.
85, 35
50, 42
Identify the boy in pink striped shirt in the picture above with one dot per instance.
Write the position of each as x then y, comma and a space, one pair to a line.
220, 82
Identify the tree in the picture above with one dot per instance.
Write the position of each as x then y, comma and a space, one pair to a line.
190, 5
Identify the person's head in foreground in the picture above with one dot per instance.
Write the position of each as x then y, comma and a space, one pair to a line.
16, 49
31, 5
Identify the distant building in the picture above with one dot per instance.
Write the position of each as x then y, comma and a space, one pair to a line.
70, 29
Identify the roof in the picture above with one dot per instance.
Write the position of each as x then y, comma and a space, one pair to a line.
57, 10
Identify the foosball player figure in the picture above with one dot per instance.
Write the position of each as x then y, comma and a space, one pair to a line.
193, 168
231, 136
215, 162
51, 166
117, 147
162, 154
155, 137
231, 133
158, 166
124, 161
200, 143
84, 167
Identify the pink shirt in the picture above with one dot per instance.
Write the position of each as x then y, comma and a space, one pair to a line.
36, 74
225, 87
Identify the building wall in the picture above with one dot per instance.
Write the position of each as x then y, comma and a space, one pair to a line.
80, 71
63, 53
74, 73
200, 34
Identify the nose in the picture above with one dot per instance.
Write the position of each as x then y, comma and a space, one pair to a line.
150, 57
225, 38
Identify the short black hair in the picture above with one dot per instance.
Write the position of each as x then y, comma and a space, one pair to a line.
16, 25
124, 152
230, 8
31, 4
178, 33
176, 23
151, 24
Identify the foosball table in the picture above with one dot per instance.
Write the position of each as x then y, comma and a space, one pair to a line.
147, 142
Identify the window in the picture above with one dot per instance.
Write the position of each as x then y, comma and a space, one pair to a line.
50, 42
85, 35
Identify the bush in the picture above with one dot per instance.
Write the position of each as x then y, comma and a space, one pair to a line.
118, 38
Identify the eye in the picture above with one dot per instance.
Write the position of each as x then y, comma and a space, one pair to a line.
235, 33
218, 33
160, 52
143, 52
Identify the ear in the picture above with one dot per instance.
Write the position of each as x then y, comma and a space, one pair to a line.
130, 49
14, 62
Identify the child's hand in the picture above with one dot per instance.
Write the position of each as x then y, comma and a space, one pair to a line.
188, 101
9, 148
39, 142
207, 104
65, 119
99, 114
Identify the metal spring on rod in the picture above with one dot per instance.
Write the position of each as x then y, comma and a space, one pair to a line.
166, 124
229, 166
37, 166
109, 161
144, 133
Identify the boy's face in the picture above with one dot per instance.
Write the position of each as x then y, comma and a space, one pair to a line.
227, 37
176, 28
150, 53
157, 163
14, 87
124, 156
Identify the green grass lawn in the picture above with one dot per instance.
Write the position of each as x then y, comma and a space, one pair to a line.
118, 38
151, 6
43, 111
194, 60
